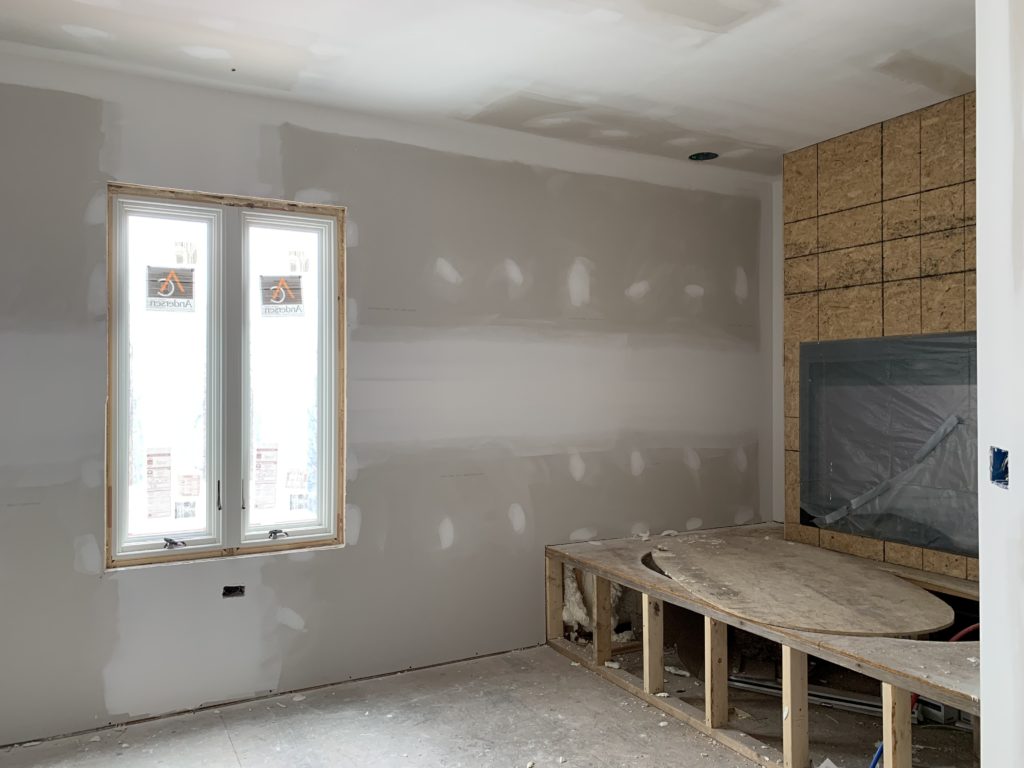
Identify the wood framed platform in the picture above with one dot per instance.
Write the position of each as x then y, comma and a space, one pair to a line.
707, 584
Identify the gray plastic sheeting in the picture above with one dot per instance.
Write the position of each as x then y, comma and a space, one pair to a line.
888, 439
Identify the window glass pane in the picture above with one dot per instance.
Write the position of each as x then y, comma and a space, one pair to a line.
168, 315
283, 326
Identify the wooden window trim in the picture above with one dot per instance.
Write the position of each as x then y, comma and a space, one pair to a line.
338, 213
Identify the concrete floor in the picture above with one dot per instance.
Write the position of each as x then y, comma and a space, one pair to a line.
505, 710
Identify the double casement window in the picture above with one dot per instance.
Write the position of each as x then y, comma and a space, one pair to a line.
226, 381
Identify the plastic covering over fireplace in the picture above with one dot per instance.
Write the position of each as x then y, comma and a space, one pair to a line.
888, 439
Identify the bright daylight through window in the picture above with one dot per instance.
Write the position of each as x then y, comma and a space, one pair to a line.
225, 431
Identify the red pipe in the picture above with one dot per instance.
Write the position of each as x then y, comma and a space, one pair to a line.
964, 632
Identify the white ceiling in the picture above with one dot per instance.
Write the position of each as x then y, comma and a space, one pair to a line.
746, 78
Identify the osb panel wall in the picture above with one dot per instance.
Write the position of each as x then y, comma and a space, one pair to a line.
878, 241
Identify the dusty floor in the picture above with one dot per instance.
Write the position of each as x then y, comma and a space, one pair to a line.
847, 739
503, 710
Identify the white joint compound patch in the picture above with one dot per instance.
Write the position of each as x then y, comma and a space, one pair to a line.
694, 523
290, 619
446, 271
86, 33
741, 288
739, 457
579, 283
583, 534
517, 517
577, 467
321, 197
636, 463
694, 291
692, 459
96, 210
513, 273
446, 533
744, 514
353, 523
88, 559
638, 290
205, 52
96, 296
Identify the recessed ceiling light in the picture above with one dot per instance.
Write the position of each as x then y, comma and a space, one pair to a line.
700, 157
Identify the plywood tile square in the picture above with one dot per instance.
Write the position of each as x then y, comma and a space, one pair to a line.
792, 433
873, 549
791, 378
901, 259
901, 156
802, 534
970, 248
970, 131
850, 266
800, 238
850, 170
800, 317
972, 568
945, 563
902, 307
901, 217
851, 313
942, 252
942, 303
969, 201
800, 275
857, 226
800, 184
942, 144
942, 209
902, 554
792, 486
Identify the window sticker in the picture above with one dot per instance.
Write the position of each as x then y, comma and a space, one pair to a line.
281, 295
266, 478
158, 484
295, 479
170, 289
184, 509
188, 485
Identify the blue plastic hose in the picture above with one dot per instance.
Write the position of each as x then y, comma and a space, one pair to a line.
877, 757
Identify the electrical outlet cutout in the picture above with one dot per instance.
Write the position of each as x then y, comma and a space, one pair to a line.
999, 466
238, 591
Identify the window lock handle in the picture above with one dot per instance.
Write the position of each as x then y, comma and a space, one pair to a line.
276, 533
170, 543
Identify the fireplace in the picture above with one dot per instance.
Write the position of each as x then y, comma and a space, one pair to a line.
888, 439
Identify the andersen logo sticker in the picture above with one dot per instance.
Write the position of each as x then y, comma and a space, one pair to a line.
281, 295
170, 289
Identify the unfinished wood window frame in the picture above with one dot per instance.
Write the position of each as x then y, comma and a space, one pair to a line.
334, 216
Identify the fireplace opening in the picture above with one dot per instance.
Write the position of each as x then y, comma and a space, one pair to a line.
889, 439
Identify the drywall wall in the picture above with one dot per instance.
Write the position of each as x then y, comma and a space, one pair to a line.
535, 356
1000, 29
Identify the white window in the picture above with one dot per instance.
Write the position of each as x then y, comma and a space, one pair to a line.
226, 387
